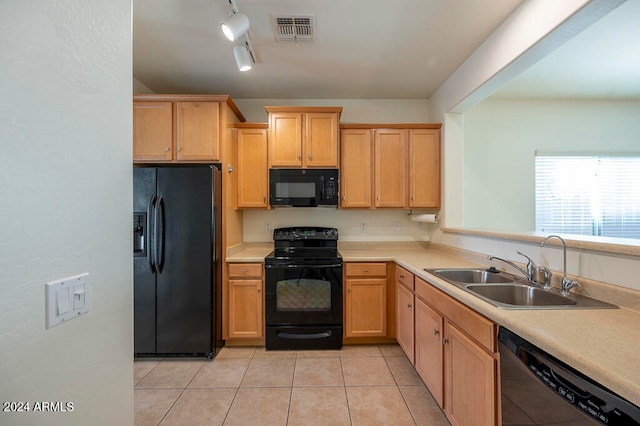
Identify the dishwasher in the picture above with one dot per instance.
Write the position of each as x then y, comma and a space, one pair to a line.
538, 389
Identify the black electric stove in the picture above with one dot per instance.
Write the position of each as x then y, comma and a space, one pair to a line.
303, 297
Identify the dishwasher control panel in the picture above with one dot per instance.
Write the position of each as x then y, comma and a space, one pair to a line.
597, 403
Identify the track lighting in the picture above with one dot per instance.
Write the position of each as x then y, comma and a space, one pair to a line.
235, 26
243, 58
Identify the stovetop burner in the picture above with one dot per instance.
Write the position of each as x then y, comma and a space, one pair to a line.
305, 244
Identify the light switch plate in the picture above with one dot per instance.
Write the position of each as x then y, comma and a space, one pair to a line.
66, 299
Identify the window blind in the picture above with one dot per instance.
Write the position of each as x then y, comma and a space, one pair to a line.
588, 195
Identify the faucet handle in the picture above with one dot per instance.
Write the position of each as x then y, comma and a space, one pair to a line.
567, 285
531, 266
546, 277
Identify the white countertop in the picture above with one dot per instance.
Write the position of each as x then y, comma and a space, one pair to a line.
603, 344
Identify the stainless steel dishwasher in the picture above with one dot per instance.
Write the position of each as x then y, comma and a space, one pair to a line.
539, 389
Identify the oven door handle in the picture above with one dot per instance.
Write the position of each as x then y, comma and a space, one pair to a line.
321, 335
298, 266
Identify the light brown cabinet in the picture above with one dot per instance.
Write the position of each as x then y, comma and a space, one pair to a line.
390, 168
253, 171
429, 356
456, 356
303, 136
365, 299
405, 307
153, 131
177, 128
356, 169
245, 300
424, 168
397, 166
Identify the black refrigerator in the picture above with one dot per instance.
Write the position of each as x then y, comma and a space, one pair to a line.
177, 256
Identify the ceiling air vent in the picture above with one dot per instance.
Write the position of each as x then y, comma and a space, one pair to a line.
294, 28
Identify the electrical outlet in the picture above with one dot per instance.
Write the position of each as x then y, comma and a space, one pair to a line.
363, 227
396, 226
267, 228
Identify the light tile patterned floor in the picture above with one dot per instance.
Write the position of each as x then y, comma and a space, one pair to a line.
357, 385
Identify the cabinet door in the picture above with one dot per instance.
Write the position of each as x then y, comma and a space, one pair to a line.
470, 381
245, 308
355, 174
424, 168
366, 307
429, 349
252, 168
285, 139
197, 131
404, 313
390, 168
320, 139
152, 131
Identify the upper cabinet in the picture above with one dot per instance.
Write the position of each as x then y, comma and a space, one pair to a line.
356, 168
178, 128
303, 136
424, 168
253, 172
390, 166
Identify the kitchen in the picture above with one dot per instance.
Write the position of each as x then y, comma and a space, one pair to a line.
112, 298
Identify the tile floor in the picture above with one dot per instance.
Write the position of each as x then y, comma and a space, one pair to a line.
357, 385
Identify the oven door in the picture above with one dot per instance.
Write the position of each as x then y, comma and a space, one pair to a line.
303, 294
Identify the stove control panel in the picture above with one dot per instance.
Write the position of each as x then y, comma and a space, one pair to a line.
305, 233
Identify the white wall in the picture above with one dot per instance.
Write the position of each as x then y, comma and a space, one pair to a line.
380, 224
65, 207
502, 136
534, 30
354, 110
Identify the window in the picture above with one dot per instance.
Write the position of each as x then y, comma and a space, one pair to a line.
588, 195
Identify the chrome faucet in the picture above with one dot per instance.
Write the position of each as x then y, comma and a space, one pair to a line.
530, 272
567, 284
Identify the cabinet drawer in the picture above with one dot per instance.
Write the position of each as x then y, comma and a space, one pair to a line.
245, 270
366, 269
404, 277
471, 322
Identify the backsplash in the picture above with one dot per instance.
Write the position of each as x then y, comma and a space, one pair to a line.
379, 225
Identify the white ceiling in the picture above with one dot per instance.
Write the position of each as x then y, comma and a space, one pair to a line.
602, 62
364, 49
370, 49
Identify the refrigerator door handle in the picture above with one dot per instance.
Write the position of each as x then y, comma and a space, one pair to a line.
151, 225
160, 235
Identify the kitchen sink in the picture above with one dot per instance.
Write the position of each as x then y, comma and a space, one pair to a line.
520, 295
470, 276
509, 291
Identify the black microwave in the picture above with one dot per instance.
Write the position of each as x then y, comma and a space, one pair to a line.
303, 187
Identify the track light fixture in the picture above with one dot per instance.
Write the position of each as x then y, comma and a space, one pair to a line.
243, 58
235, 27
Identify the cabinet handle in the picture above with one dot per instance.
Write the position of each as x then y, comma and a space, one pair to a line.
413, 198
244, 271
408, 305
344, 198
378, 198
435, 332
348, 290
309, 156
259, 290
299, 157
402, 277
179, 148
366, 270
166, 149
444, 341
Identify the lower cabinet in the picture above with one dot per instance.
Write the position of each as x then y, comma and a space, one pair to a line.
245, 309
405, 307
365, 306
455, 353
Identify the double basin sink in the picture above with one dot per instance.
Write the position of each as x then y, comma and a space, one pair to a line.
511, 292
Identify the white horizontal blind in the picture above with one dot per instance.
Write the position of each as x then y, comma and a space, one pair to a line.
588, 195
